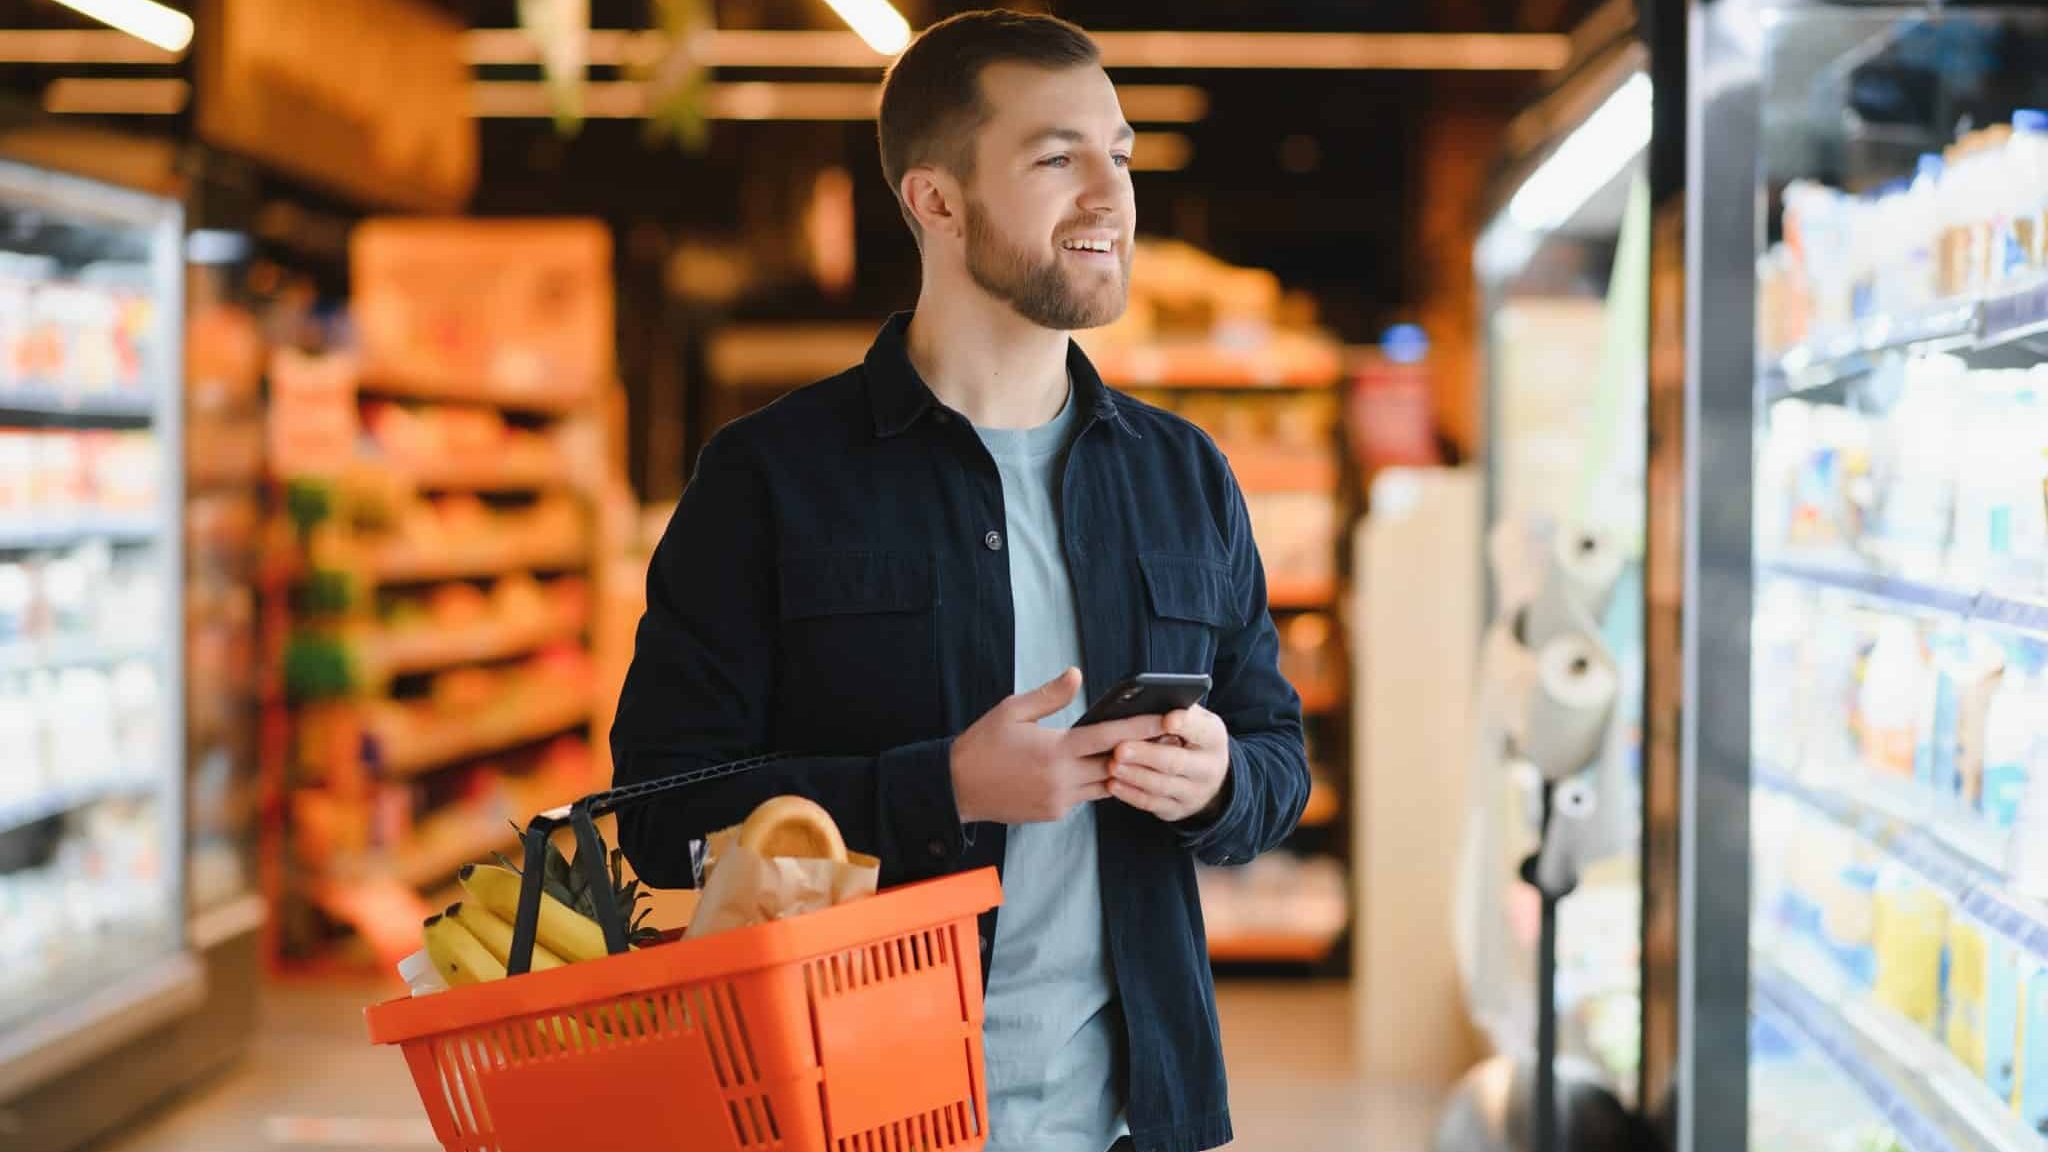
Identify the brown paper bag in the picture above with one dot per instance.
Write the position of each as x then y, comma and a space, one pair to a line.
742, 887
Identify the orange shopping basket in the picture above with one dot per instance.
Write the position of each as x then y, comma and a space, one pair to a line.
853, 1029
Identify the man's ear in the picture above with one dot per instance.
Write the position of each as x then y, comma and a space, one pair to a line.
934, 199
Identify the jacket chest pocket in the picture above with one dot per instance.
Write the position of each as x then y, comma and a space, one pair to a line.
860, 645
1190, 602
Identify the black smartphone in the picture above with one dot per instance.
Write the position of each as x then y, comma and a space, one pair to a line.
1147, 694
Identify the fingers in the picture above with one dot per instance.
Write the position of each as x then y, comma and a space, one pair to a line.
1096, 739
1195, 725
1166, 758
1096, 791
1047, 698
1149, 790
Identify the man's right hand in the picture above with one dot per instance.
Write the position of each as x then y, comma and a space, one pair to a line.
1008, 769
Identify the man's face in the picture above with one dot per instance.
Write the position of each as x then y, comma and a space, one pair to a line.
1049, 214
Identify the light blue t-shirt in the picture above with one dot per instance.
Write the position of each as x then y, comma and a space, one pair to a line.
1054, 1028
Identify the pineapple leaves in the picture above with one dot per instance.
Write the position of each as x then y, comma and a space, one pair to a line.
566, 883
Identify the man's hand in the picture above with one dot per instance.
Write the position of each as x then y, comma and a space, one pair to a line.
1008, 769
1178, 776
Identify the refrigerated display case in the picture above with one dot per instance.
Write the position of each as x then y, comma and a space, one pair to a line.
92, 886
1864, 778
1563, 275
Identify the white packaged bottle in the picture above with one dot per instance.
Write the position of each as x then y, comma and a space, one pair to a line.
2027, 850
2025, 249
1916, 282
1888, 703
2009, 737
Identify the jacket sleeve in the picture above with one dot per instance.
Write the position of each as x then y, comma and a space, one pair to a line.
1267, 785
698, 693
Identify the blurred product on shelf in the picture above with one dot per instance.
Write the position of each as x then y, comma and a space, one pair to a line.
1970, 221
1948, 482
76, 336
98, 892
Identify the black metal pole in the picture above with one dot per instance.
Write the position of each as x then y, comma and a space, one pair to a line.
1546, 1008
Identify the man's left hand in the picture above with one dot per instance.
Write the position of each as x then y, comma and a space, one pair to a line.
1180, 775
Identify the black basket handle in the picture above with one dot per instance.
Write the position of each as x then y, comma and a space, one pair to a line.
582, 816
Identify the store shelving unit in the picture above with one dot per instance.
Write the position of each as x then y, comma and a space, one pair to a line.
470, 699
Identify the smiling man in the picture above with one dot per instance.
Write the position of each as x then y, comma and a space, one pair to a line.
901, 578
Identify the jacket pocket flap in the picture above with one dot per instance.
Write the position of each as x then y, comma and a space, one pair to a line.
852, 583
1190, 588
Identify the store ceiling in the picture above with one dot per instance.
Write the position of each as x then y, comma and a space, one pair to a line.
1313, 174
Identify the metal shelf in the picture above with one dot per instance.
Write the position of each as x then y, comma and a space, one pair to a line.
21, 534
57, 801
67, 652
2014, 321
2012, 612
53, 406
1965, 880
1900, 1072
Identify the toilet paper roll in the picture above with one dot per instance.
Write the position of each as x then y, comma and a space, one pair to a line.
1582, 569
1570, 706
1572, 840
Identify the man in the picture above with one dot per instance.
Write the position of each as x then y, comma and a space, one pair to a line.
864, 573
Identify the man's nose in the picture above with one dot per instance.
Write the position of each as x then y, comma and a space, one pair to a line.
1104, 191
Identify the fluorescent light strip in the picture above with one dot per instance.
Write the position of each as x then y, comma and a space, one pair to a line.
763, 100
146, 20
1355, 51
1595, 152
876, 22
75, 95
80, 46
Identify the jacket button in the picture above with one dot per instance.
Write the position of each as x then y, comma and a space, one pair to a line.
984, 943
942, 416
994, 541
937, 849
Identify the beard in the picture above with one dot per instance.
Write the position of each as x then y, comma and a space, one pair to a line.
1040, 290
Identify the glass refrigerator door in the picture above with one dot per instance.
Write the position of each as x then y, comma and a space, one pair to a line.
91, 887
1868, 850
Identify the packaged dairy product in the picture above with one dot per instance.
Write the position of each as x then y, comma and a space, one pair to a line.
1963, 992
2033, 1075
2009, 735
2026, 179
1909, 930
1888, 704
2004, 999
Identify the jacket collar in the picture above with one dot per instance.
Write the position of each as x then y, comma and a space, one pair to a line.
899, 396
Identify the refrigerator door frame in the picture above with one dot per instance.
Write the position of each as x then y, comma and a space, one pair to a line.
156, 991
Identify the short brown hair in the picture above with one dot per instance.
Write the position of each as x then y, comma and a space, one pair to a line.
931, 98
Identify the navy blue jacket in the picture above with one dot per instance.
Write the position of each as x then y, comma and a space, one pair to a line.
833, 585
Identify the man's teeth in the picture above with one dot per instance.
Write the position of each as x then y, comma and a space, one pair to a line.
1087, 245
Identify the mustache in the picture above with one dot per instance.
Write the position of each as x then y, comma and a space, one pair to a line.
1083, 223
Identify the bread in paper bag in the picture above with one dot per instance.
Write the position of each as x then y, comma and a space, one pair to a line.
787, 859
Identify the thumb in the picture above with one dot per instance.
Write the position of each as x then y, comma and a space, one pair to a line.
1050, 696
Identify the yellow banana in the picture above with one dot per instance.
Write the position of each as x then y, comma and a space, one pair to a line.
495, 934
458, 955
569, 934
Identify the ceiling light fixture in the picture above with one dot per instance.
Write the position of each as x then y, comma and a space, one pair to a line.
1355, 51
876, 22
783, 100
1593, 154
167, 28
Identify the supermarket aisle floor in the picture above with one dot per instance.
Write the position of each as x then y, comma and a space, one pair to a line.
313, 1084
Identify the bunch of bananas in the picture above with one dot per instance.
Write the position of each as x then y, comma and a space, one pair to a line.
471, 942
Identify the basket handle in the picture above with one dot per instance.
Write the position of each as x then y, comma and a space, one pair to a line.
582, 817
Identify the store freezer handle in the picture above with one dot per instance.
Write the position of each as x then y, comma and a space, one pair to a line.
854, 1026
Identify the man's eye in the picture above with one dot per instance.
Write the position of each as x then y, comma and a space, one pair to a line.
1123, 160
1055, 162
